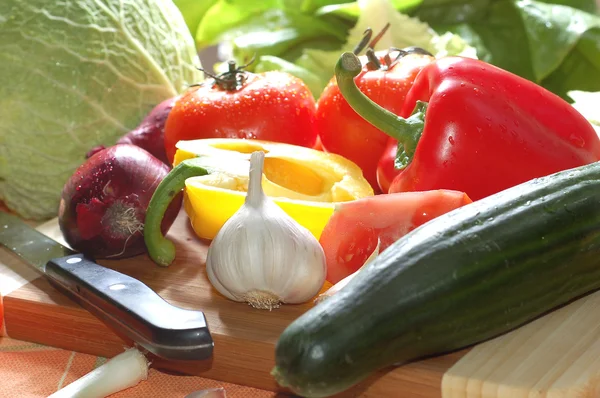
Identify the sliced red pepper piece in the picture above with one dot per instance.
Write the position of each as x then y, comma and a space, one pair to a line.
469, 126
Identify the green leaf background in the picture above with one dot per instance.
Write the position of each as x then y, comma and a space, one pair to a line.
554, 43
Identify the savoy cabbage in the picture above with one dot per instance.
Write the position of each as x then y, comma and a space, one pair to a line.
76, 74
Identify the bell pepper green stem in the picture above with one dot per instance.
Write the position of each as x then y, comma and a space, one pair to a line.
160, 249
406, 131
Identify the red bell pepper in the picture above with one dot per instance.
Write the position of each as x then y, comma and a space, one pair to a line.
469, 126
386, 167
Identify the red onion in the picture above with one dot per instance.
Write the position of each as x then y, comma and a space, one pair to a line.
103, 205
95, 149
150, 134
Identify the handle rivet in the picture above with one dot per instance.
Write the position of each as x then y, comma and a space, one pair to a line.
73, 260
117, 286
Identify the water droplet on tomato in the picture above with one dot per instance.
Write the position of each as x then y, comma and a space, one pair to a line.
462, 84
577, 140
451, 140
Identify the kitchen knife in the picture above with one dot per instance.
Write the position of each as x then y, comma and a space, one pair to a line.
123, 302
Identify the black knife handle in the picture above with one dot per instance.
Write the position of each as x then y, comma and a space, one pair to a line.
165, 330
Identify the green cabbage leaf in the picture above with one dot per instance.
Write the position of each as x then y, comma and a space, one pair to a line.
76, 74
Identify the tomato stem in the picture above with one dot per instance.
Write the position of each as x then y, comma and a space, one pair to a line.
406, 131
376, 39
231, 80
364, 41
373, 63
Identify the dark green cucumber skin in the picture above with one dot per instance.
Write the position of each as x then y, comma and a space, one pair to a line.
462, 278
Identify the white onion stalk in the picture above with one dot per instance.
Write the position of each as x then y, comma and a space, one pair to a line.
119, 373
261, 255
338, 286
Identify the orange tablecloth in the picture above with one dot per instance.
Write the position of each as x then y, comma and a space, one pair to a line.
29, 370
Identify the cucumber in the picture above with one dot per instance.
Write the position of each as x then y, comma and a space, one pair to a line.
464, 277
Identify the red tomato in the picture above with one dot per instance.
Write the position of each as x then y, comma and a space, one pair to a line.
345, 132
351, 234
271, 106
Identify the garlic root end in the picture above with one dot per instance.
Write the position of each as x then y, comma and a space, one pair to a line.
262, 300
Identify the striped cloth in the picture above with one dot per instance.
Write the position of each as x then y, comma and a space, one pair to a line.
29, 370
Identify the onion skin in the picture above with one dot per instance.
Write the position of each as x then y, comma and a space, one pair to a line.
103, 205
150, 134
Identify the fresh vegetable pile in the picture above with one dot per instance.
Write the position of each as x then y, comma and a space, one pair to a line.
438, 164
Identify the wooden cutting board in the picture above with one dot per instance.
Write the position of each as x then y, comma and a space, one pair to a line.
560, 351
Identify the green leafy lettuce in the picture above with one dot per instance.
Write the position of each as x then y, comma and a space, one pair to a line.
299, 38
555, 43
78, 74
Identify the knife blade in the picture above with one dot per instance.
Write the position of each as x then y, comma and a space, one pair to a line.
125, 303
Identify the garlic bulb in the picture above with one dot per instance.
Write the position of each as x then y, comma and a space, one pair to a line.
261, 255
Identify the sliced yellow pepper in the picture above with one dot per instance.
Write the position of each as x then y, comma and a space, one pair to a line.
304, 182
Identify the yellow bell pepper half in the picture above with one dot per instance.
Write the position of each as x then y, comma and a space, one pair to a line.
305, 183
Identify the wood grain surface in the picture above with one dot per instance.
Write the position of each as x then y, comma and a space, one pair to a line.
244, 337
556, 356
